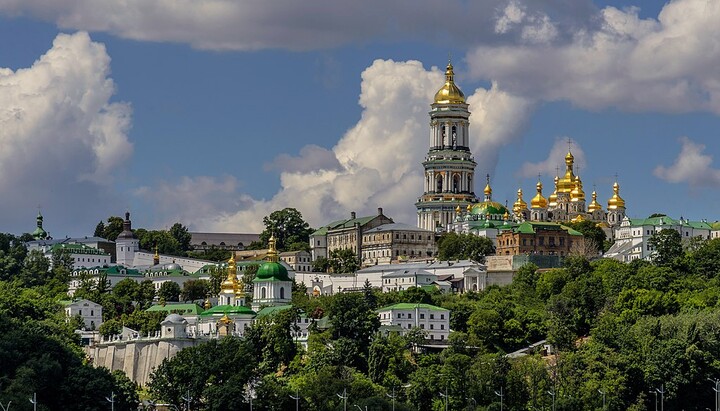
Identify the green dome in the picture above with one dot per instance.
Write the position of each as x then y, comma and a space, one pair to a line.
489, 208
272, 271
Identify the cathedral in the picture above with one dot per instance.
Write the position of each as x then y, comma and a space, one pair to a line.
449, 203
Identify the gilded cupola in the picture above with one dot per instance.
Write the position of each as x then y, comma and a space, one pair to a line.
552, 200
594, 205
567, 183
449, 93
230, 283
577, 194
520, 205
539, 201
616, 201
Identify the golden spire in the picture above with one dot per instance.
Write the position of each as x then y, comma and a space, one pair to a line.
520, 205
539, 201
272, 254
488, 189
594, 205
616, 201
567, 183
230, 283
156, 257
577, 193
207, 304
449, 93
457, 209
469, 208
552, 200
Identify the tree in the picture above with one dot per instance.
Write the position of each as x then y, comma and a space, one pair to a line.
666, 245
288, 227
594, 236
113, 228
321, 265
271, 338
180, 233
165, 242
195, 290
169, 291
354, 320
453, 246
343, 260
99, 229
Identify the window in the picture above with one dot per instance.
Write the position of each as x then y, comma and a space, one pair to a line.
442, 316
422, 316
442, 326
263, 292
282, 293
432, 316
409, 316
431, 326
422, 326
398, 315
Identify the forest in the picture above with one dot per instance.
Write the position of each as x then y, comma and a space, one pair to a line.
624, 337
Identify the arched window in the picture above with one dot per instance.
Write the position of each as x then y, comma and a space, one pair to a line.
439, 184
456, 183
454, 136
282, 293
262, 292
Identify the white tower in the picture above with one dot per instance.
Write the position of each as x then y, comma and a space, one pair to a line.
126, 245
449, 166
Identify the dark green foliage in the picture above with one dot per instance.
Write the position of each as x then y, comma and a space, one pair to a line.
453, 246
343, 260
289, 229
169, 291
591, 233
195, 290
666, 245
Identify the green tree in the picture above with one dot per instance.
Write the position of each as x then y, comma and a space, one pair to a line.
271, 337
165, 242
180, 233
113, 228
591, 232
169, 291
145, 294
195, 290
321, 265
99, 229
288, 227
666, 245
453, 246
354, 320
344, 260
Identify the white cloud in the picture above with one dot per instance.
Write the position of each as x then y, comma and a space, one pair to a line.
535, 28
378, 160
312, 157
691, 166
290, 24
554, 164
61, 140
666, 64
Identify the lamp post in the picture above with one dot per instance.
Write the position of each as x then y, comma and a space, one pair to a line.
716, 389
33, 401
5, 408
111, 400
474, 403
358, 407
297, 399
655, 392
552, 394
661, 391
501, 395
187, 398
393, 396
344, 397
603, 397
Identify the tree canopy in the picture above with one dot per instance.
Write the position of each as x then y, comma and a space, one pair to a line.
290, 230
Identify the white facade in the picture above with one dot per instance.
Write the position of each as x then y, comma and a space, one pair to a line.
297, 260
271, 293
90, 312
434, 321
403, 279
633, 235
318, 244
395, 242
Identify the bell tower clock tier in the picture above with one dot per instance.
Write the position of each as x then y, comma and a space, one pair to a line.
449, 165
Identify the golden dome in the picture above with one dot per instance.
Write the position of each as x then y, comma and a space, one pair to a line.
469, 208
578, 219
577, 193
449, 93
457, 209
539, 201
506, 216
552, 200
272, 254
594, 205
230, 283
488, 189
520, 205
207, 304
567, 183
616, 201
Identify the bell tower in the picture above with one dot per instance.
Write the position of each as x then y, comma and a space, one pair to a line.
449, 166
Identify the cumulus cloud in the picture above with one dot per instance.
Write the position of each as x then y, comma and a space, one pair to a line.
535, 28
312, 157
691, 166
377, 163
296, 25
665, 64
61, 140
555, 161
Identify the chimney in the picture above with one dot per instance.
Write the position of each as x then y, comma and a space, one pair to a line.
352, 215
379, 210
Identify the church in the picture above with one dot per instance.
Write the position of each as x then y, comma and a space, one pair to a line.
449, 203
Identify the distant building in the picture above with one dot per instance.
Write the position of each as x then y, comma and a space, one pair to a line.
112, 275
90, 312
345, 234
633, 235
434, 321
297, 260
401, 280
538, 238
222, 241
272, 285
396, 242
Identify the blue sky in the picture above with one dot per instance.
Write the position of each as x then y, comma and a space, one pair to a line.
216, 113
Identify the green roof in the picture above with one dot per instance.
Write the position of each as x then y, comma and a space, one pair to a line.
227, 309
412, 306
271, 271
715, 225
114, 270
178, 308
532, 227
